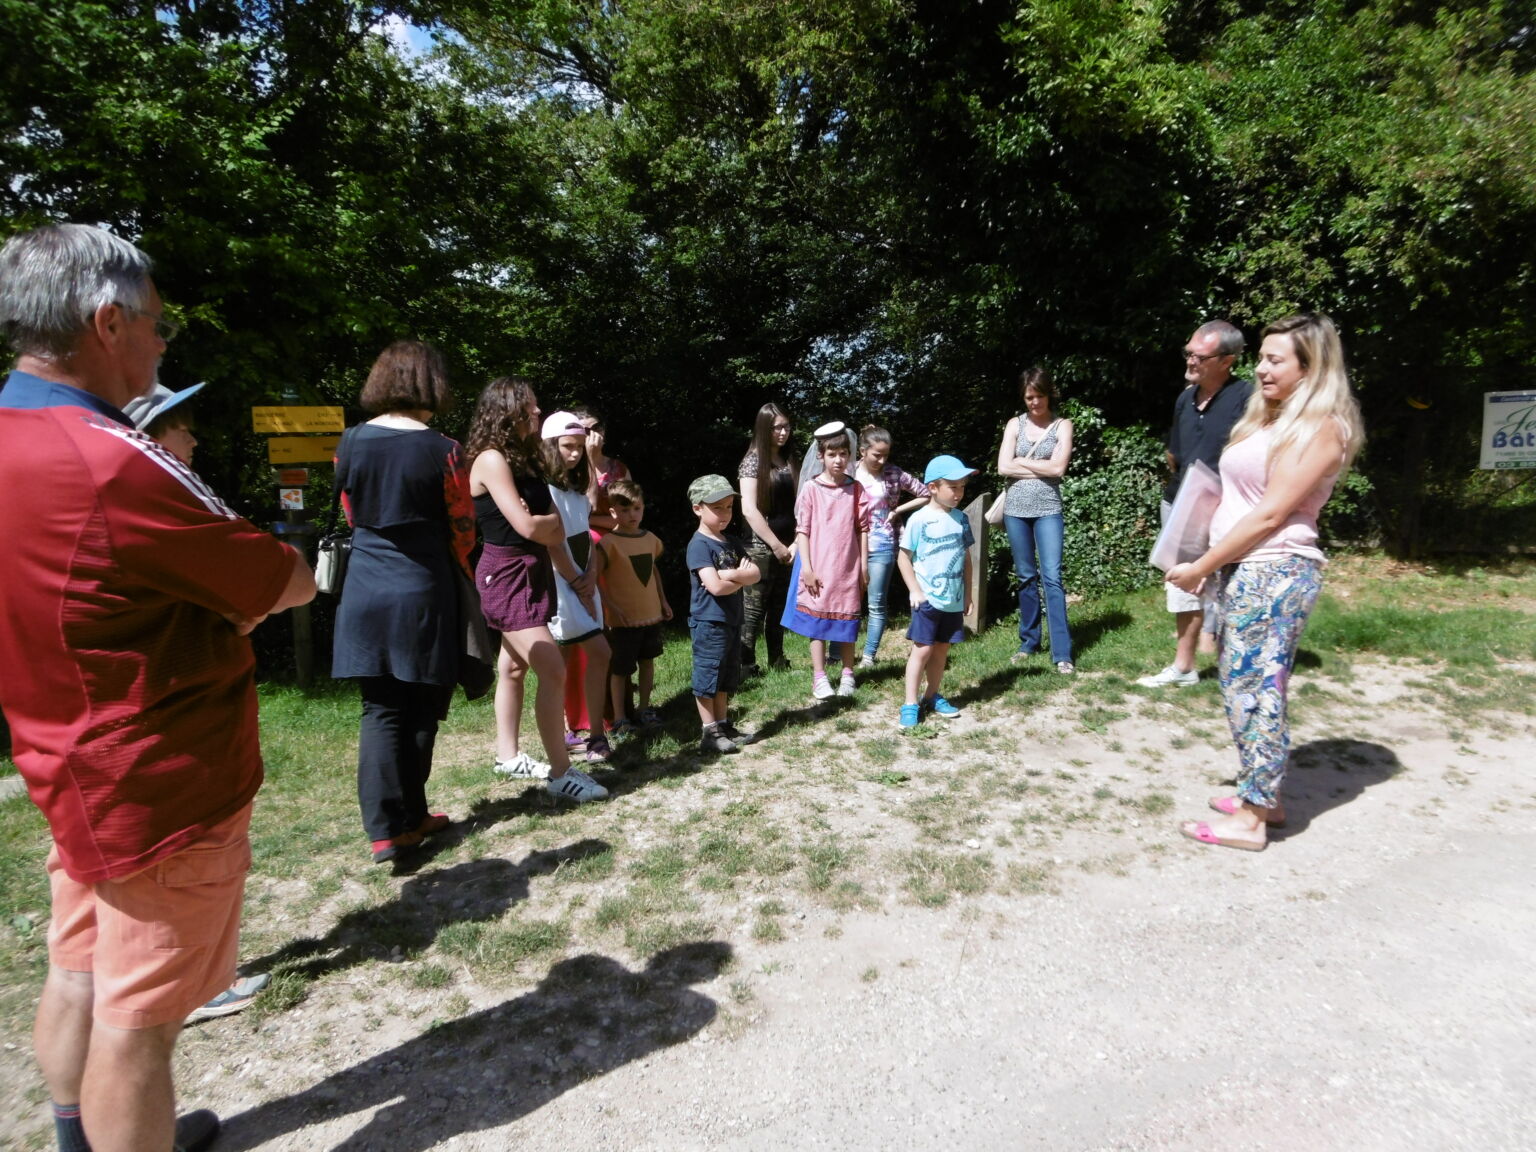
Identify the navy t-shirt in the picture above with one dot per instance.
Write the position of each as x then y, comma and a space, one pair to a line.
707, 552
1198, 435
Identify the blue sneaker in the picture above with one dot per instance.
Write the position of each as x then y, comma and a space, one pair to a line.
942, 707
911, 715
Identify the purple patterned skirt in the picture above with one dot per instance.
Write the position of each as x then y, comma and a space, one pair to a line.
517, 587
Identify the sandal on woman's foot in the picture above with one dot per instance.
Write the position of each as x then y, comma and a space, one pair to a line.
1227, 805
1200, 831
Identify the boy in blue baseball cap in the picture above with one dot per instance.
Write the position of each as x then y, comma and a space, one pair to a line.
935, 561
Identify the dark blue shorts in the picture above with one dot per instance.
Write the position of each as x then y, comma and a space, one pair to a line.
632, 645
716, 657
931, 626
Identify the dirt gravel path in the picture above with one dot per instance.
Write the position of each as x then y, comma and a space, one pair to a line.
1364, 984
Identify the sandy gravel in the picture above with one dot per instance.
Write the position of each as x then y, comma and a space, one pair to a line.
1364, 984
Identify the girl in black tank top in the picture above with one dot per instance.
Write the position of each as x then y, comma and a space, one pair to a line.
516, 582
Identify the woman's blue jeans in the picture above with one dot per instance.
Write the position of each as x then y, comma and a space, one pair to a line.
880, 566
1026, 536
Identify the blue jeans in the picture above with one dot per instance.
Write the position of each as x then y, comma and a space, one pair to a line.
880, 566
1025, 536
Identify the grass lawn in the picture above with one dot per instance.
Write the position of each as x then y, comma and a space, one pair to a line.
836, 806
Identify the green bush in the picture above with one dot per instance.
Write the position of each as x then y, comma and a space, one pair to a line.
1351, 514
1110, 498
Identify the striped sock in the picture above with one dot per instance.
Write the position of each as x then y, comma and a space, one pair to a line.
68, 1130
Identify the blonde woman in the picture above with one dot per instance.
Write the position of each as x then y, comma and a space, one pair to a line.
1297, 436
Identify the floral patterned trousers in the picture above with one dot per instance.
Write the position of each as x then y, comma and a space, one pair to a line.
1265, 605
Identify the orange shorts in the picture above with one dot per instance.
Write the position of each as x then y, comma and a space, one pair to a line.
163, 941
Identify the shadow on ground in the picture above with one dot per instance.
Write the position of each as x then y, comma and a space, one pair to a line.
589, 1016
1327, 774
479, 890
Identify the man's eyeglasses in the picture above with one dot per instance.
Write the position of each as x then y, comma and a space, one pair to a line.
1199, 359
167, 330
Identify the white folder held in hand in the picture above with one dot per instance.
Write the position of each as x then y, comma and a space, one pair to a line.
1187, 534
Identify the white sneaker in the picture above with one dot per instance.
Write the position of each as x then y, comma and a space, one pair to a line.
1170, 677
522, 767
576, 785
866, 661
822, 689
845, 684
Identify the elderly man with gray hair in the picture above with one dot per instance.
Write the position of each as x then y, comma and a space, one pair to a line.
129, 684
1203, 415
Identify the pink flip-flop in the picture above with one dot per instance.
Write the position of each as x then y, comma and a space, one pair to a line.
1200, 831
1227, 805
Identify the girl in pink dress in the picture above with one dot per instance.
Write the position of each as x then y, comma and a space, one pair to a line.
831, 562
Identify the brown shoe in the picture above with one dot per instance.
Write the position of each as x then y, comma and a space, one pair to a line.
433, 824
386, 850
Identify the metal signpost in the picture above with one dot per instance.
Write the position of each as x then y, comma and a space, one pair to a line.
299, 434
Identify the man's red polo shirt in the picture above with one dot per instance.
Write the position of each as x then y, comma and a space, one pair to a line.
131, 700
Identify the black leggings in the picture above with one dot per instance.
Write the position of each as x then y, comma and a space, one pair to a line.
763, 606
394, 752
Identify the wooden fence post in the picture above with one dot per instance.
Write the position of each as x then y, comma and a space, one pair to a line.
974, 514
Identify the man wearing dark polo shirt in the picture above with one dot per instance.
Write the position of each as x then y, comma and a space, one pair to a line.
1203, 416
128, 682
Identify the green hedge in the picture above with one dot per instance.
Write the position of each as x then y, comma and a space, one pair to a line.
1110, 498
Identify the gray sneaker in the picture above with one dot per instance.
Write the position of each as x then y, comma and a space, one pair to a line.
741, 736
714, 739
576, 786
235, 998
522, 767
1170, 677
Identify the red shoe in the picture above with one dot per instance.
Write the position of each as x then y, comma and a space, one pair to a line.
386, 850
433, 824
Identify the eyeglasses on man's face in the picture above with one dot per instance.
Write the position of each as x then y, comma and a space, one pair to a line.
1196, 358
165, 329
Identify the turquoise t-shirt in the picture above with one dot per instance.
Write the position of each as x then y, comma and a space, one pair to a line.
938, 541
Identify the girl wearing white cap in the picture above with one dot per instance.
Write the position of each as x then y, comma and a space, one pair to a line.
578, 622
831, 562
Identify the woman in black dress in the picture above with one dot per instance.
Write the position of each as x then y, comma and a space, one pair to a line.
405, 492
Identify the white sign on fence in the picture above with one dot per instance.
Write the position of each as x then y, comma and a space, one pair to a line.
1509, 430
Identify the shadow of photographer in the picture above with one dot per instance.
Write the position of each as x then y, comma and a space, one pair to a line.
478, 890
588, 1016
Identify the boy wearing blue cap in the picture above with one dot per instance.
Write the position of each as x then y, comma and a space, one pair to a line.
935, 561
165, 417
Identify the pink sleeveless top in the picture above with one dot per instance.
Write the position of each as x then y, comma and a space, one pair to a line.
1243, 476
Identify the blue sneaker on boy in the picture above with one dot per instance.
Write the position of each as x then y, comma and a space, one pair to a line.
911, 715
942, 707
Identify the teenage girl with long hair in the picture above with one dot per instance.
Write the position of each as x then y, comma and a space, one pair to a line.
1298, 435
519, 524
767, 476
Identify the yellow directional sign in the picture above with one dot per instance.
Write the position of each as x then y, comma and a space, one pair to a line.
302, 449
298, 418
